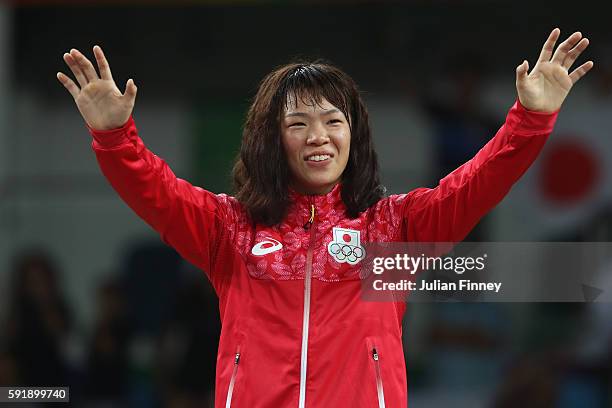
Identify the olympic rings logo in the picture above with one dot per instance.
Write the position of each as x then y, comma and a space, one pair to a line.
346, 253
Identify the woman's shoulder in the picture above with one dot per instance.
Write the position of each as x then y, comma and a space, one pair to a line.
231, 204
390, 203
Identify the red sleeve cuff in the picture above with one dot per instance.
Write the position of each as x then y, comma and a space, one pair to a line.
112, 137
527, 122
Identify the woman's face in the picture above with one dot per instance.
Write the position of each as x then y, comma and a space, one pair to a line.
317, 140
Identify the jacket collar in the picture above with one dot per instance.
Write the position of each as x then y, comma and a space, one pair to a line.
315, 199
326, 205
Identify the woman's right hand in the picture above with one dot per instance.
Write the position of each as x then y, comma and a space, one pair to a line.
100, 102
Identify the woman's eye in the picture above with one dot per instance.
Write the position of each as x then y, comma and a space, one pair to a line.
297, 124
335, 121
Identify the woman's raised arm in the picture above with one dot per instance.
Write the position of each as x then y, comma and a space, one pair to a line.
449, 211
190, 219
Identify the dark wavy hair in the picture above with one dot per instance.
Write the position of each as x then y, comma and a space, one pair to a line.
261, 173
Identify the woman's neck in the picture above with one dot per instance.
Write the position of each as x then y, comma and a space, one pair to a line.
322, 190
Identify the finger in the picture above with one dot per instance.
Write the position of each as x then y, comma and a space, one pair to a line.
68, 84
549, 45
565, 46
130, 90
76, 70
581, 71
521, 71
86, 65
103, 66
573, 54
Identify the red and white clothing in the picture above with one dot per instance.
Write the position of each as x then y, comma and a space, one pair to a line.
294, 330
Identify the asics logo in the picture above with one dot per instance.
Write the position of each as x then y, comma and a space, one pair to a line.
266, 247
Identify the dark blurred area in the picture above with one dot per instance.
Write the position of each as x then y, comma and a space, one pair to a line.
92, 299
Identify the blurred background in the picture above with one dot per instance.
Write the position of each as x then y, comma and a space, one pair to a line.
91, 298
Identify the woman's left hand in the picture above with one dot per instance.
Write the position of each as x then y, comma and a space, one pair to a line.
544, 89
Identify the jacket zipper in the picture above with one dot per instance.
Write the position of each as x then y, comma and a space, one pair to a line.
311, 219
306, 319
230, 390
379, 385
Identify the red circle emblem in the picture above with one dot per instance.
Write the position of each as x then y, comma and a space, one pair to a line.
570, 172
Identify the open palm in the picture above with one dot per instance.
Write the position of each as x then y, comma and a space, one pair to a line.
545, 88
100, 102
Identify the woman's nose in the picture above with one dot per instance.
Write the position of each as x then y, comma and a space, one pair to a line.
317, 135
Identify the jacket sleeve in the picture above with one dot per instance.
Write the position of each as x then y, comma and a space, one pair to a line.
190, 219
448, 212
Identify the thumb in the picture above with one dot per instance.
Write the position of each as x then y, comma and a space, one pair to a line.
521, 71
130, 90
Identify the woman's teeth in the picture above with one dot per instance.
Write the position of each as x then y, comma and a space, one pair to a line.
319, 157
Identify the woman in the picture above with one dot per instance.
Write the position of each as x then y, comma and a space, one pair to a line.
295, 333
39, 320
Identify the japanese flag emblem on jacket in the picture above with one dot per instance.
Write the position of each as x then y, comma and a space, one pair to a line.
346, 246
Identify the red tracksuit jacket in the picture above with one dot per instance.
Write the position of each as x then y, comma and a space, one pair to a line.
294, 330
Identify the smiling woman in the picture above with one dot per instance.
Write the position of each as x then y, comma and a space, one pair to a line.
317, 140
303, 113
284, 253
